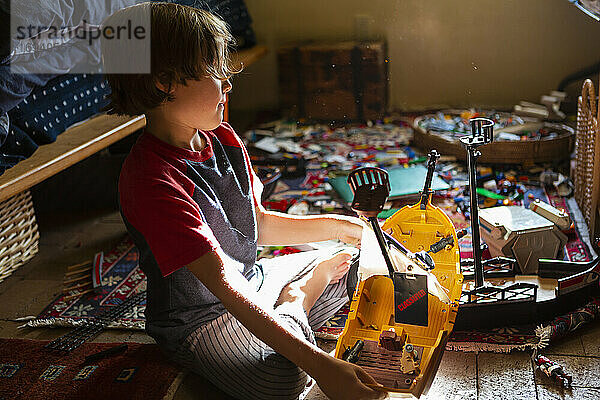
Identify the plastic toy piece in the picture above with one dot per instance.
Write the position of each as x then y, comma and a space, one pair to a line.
373, 357
371, 317
559, 217
553, 370
352, 353
410, 359
391, 341
422, 258
482, 133
445, 242
426, 193
371, 188
522, 234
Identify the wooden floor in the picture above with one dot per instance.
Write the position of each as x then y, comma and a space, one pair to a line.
68, 239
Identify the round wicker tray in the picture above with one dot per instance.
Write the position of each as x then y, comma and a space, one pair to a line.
501, 152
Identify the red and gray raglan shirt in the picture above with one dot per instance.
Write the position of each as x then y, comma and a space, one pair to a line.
179, 204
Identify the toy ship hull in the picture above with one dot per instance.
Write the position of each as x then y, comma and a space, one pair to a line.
558, 288
372, 308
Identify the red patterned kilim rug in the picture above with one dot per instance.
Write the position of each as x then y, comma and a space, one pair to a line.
121, 278
29, 371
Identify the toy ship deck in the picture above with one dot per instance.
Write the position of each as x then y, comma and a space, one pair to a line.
371, 317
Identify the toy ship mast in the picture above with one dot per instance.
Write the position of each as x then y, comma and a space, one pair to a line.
426, 193
482, 133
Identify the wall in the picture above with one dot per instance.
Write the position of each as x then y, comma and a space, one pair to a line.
442, 52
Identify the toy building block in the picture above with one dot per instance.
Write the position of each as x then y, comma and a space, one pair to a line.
527, 109
559, 217
389, 340
353, 353
548, 109
552, 103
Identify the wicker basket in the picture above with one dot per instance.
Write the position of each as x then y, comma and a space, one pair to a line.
587, 170
503, 152
19, 236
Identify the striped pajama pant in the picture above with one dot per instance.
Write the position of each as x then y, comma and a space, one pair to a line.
233, 359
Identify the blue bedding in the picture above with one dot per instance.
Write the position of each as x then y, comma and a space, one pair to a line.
48, 111
36, 108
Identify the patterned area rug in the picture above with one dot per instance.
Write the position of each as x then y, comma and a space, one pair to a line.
121, 278
334, 327
497, 340
29, 371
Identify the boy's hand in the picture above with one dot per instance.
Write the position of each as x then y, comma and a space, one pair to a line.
342, 380
349, 230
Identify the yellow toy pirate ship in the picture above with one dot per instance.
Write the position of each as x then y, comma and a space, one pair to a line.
404, 357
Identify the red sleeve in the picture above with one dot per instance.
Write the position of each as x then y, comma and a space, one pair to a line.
171, 224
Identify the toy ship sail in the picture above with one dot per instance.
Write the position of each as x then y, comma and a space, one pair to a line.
372, 263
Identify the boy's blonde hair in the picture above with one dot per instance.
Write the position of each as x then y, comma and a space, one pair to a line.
185, 43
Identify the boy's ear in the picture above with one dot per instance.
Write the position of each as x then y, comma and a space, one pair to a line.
162, 87
163, 83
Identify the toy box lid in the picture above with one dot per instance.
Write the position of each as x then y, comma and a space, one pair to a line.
513, 218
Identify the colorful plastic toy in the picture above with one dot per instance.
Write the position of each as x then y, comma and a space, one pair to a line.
404, 357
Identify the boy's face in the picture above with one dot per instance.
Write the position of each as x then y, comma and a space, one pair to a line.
199, 104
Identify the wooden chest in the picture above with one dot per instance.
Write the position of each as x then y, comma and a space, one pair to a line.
334, 82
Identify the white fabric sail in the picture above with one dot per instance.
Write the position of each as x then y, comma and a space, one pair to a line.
372, 263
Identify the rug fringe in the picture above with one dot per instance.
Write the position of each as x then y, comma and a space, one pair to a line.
68, 322
170, 395
543, 333
476, 347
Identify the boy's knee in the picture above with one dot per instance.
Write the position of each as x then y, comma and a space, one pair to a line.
291, 387
285, 381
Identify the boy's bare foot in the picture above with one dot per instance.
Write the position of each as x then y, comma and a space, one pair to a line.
308, 288
335, 268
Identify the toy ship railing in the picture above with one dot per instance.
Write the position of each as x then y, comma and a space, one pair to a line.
495, 294
497, 267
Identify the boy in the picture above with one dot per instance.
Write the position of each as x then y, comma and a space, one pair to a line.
189, 199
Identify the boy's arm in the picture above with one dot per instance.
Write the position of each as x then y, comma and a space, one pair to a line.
276, 228
338, 379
